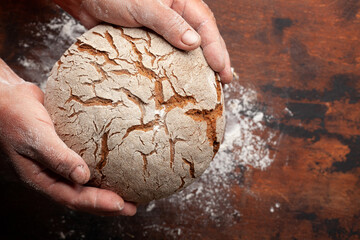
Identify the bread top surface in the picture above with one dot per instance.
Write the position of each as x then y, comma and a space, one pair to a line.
146, 117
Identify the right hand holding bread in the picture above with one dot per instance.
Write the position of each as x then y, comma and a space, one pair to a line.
186, 24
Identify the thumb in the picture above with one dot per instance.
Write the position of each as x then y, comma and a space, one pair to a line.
43, 145
34, 136
54, 154
168, 23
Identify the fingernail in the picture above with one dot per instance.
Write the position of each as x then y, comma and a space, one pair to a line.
120, 205
190, 37
78, 174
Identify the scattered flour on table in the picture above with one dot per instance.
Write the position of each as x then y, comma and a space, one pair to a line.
52, 39
63, 29
245, 145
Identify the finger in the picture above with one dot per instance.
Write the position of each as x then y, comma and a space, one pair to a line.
35, 138
226, 74
26, 89
169, 24
88, 199
75, 9
52, 152
87, 20
152, 14
32, 134
201, 18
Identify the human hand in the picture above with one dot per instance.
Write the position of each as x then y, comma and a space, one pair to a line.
186, 24
40, 158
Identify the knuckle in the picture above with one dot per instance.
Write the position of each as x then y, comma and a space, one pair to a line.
135, 8
207, 8
204, 5
83, 200
37, 176
208, 44
207, 22
27, 144
76, 202
72, 203
176, 24
60, 159
29, 88
25, 148
62, 166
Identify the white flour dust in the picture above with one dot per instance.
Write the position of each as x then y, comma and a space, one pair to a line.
52, 39
243, 120
245, 145
64, 29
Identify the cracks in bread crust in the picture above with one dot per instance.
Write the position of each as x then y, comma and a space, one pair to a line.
149, 128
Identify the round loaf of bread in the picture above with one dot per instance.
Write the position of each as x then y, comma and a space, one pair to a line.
146, 117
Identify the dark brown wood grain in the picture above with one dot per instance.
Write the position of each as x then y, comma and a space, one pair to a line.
303, 56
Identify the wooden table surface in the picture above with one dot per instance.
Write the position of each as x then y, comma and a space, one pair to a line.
290, 164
